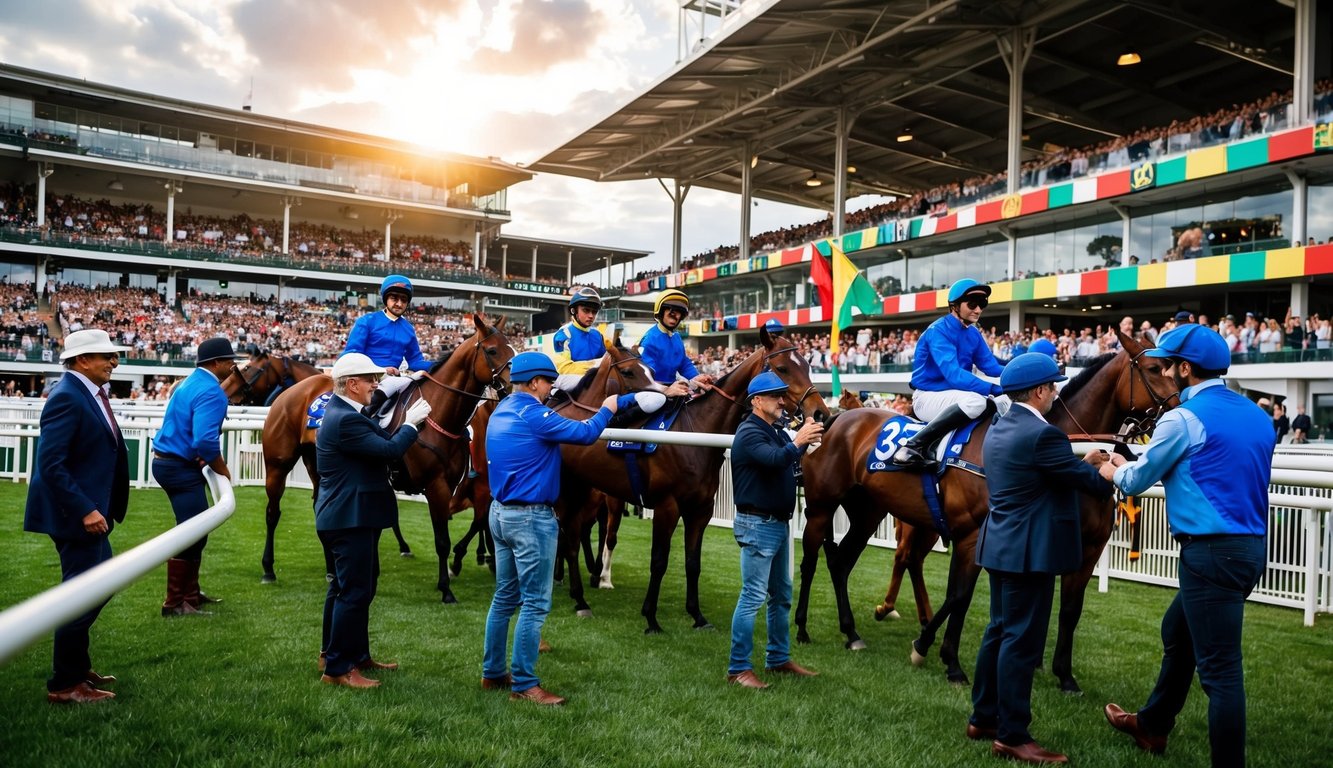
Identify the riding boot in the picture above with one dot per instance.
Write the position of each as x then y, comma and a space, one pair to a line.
912, 453
637, 408
193, 597
178, 574
627, 415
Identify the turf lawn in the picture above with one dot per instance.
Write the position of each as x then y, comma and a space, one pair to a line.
241, 688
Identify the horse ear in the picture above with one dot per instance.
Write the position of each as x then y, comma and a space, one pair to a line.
765, 337
1131, 345
615, 340
478, 321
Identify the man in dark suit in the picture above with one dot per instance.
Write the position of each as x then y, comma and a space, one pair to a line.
79, 491
1031, 534
355, 504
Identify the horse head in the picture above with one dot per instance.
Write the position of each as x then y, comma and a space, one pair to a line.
1144, 388
782, 357
849, 401
246, 387
490, 355
633, 374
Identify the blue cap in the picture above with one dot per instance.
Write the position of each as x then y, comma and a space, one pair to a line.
1044, 347
1029, 370
773, 327
965, 286
396, 283
766, 383
528, 365
1203, 347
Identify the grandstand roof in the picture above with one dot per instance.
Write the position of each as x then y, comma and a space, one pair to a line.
778, 72
553, 256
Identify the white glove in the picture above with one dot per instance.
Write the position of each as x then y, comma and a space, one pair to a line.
416, 375
417, 413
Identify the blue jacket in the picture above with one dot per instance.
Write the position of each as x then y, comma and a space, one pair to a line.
762, 460
1214, 455
193, 421
386, 342
353, 455
1033, 479
664, 352
577, 349
81, 465
523, 448
946, 354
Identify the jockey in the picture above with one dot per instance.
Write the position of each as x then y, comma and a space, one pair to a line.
578, 343
773, 327
388, 339
947, 394
662, 349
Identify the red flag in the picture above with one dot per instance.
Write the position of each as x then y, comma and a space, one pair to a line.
822, 276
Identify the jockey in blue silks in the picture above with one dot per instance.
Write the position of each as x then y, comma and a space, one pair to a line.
389, 340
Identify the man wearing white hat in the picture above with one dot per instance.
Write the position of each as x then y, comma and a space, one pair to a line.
355, 504
78, 492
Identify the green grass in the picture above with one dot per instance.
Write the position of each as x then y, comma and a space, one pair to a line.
241, 687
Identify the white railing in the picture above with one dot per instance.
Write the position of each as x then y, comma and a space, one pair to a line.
29, 621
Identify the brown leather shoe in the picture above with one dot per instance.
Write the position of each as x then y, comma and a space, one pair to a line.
323, 660
1030, 752
1127, 722
980, 733
792, 668
372, 664
537, 695
543, 646
496, 683
353, 679
79, 694
98, 681
747, 679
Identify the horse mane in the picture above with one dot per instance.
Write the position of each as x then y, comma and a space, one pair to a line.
1078, 382
583, 384
440, 363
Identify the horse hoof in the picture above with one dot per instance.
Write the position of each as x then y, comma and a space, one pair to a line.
704, 627
652, 630
406, 553
855, 645
328, 578
958, 681
894, 614
880, 613
453, 574
604, 584
268, 579
803, 638
917, 659
584, 613
1070, 687
449, 599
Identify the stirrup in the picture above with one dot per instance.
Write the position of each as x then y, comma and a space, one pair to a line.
910, 456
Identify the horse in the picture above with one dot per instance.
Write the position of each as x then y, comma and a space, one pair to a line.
454, 386
254, 383
1116, 387
474, 491
678, 481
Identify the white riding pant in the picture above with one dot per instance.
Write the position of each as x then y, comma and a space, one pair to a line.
567, 381
390, 385
928, 405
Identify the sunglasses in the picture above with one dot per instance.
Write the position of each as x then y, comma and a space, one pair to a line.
977, 303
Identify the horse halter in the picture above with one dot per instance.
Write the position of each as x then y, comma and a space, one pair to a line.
810, 390
496, 382
1159, 406
247, 385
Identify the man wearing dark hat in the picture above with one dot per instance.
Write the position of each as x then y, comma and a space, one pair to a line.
1213, 455
1184, 317
763, 458
1030, 535
188, 441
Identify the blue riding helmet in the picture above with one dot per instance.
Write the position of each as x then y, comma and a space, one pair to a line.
585, 295
965, 286
1203, 347
396, 283
1029, 370
1044, 347
766, 383
526, 366
773, 327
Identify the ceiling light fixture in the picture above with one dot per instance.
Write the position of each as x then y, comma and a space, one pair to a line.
905, 136
851, 169
754, 160
1128, 58
115, 185
813, 181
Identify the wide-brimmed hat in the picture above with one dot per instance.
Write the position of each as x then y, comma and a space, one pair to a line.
88, 342
355, 364
216, 348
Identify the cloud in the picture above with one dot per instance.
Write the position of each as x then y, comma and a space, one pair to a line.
544, 34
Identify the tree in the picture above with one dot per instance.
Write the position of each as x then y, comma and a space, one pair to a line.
1108, 248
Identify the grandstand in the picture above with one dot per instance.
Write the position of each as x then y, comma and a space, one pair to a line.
1015, 148
165, 222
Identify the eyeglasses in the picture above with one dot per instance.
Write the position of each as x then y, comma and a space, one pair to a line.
978, 303
369, 378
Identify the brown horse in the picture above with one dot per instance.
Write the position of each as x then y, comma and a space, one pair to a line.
256, 381
474, 491
454, 386
680, 481
620, 371
1113, 389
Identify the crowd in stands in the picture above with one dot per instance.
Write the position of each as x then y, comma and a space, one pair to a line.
22, 329
1240, 121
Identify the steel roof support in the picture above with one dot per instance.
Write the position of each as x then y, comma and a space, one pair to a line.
1015, 50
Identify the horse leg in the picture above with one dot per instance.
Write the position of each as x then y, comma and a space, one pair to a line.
570, 536
403, 549
615, 511
1073, 588
816, 523
695, 525
963, 573
914, 544
921, 645
437, 500
589, 560
461, 548
275, 483
853, 544
665, 517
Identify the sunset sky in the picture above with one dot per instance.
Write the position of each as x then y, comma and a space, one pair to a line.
506, 78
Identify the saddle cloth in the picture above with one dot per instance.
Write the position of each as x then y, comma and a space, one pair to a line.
896, 431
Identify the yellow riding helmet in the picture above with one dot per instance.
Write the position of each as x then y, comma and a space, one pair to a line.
674, 299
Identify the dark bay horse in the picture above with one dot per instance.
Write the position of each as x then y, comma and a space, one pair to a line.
474, 491
1115, 387
254, 382
680, 482
453, 387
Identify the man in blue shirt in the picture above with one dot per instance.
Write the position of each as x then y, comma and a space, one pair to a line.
662, 348
578, 344
1213, 454
388, 339
523, 457
763, 460
946, 393
190, 438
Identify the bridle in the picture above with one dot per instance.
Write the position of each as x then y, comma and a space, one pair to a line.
496, 381
247, 384
1160, 404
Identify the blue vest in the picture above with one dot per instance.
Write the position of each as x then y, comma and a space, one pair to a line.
1232, 466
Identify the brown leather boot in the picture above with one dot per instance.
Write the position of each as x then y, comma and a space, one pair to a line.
193, 597
178, 576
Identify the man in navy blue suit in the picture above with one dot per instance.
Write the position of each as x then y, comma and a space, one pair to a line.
79, 491
355, 504
1030, 535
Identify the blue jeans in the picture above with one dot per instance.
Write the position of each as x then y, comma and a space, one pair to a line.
764, 574
525, 543
1202, 630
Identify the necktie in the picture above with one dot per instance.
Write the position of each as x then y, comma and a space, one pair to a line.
110, 417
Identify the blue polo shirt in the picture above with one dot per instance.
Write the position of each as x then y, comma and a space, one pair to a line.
193, 421
523, 448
